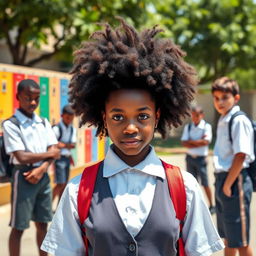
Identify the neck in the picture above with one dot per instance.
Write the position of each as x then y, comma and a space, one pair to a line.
26, 113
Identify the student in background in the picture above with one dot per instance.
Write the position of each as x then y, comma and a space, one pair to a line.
128, 85
196, 137
66, 135
233, 186
32, 146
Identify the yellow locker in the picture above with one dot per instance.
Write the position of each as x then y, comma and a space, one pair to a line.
6, 95
55, 111
101, 148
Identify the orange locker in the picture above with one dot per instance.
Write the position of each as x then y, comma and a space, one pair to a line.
6, 95
55, 110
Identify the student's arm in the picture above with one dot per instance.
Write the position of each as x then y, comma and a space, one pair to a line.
195, 143
233, 173
30, 158
66, 145
33, 176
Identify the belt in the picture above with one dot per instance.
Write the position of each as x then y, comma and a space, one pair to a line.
194, 156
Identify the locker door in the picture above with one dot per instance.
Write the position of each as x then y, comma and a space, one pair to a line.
80, 147
54, 100
6, 95
63, 92
17, 77
44, 97
101, 148
88, 145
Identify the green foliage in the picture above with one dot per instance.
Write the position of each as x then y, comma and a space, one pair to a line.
219, 36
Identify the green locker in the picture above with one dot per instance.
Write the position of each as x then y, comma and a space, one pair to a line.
44, 97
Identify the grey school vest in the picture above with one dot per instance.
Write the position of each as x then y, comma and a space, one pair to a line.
108, 235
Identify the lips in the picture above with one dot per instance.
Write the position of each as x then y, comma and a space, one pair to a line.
131, 142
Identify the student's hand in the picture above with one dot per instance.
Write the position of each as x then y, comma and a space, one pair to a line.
34, 176
227, 190
61, 144
55, 153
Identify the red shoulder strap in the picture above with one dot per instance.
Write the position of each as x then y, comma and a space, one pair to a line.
178, 196
84, 197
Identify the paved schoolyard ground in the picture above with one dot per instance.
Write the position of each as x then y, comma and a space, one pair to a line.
29, 248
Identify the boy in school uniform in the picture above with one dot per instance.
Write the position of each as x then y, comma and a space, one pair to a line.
144, 86
31, 143
233, 187
66, 136
196, 137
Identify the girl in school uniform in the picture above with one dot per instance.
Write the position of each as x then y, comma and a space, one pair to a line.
129, 85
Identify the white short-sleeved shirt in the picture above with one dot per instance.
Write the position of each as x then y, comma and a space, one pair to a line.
133, 188
32, 135
65, 136
242, 141
197, 132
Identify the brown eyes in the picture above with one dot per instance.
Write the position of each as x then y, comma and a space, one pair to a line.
140, 117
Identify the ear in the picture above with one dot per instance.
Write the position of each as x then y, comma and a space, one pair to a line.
17, 96
158, 114
104, 118
237, 98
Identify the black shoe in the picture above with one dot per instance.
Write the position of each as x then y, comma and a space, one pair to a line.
212, 210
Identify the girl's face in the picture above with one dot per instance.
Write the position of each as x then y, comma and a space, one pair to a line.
130, 118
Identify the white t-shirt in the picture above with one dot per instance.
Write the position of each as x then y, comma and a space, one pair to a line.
32, 135
133, 188
65, 136
242, 141
197, 132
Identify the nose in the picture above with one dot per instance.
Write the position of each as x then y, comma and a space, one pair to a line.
130, 128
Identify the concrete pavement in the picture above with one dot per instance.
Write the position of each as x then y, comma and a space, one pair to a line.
29, 248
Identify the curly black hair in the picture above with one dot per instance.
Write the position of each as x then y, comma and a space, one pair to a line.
123, 58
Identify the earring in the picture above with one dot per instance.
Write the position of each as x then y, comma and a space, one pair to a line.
156, 125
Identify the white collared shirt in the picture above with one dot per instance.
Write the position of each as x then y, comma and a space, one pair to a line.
242, 141
65, 136
31, 135
197, 132
133, 190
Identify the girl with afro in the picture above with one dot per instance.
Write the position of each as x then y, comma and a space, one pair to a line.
129, 85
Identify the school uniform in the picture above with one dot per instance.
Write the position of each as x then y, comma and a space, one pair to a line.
62, 165
29, 201
233, 213
196, 157
132, 214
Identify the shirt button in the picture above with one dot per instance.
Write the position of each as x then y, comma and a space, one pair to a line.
132, 247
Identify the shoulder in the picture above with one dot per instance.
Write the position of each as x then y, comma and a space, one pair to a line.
8, 125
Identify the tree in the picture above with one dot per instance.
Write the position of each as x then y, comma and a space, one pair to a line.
28, 24
219, 36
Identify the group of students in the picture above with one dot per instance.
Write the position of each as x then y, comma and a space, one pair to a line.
33, 145
129, 85
232, 155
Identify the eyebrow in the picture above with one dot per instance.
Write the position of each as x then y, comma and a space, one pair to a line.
121, 111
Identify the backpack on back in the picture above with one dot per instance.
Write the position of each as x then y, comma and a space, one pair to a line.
5, 165
252, 167
175, 185
61, 132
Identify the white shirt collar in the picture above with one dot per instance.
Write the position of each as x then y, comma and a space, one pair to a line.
23, 119
200, 125
227, 117
151, 165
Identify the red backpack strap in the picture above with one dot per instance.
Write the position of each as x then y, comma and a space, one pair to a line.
178, 196
84, 197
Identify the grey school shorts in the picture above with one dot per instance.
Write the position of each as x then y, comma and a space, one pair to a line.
30, 201
233, 213
62, 169
197, 166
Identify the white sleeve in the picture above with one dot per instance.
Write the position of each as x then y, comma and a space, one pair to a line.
185, 136
242, 134
51, 137
12, 137
64, 235
56, 130
208, 132
199, 233
73, 139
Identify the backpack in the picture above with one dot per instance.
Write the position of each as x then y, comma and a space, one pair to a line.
176, 188
5, 165
61, 132
252, 167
